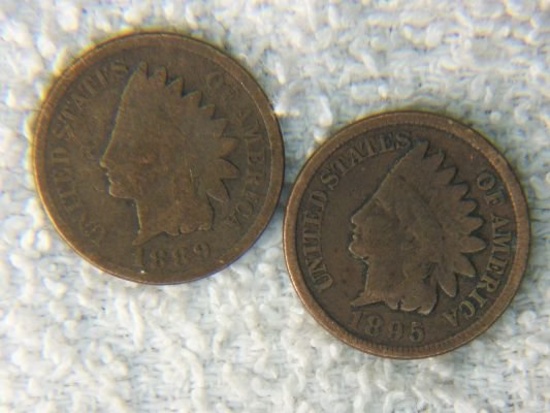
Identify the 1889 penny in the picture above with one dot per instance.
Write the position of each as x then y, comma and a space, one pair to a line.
406, 235
158, 158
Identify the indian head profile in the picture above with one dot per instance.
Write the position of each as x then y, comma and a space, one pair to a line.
414, 234
166, 153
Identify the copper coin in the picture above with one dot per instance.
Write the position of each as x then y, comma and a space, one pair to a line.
406, 235
158, 158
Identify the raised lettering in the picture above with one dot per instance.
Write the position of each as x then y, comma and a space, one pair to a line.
215, 80
172, 258
249, 126
488, 283
486, 181
340, 167
396, 330
374, 325
386, 143
255, 178
501, 243
494, 194
312, 248
89, 85
64, 132
245, 208
417, 332
91, 229
318, 198
496, 265
79, 101
311, 232
402, 140
323, 281
495, 197
329, 178
252, 196
202, 249
498, 222
481, 301
101, 78
365, 148
60, 155
467, 309
119, 68
316, 264
452, 317
311, 241
354, 157
256, 157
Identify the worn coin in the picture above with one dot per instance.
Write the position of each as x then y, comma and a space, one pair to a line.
158, 158
406, 235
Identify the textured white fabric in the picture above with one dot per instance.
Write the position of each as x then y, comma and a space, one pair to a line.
73, 339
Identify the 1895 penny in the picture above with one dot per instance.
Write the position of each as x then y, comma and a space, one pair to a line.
158, 158
406, 235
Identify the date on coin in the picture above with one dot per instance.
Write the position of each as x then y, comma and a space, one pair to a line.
406, 235
158, 158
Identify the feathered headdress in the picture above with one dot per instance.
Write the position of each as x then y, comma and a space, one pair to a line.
200, 136
421, 193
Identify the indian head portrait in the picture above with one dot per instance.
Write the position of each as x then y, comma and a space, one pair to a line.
414, 234
166, 153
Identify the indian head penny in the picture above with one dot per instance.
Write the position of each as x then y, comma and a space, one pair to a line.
406, 235
158, 158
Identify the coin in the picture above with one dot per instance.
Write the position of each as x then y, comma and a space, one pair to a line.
406, 235
158, 158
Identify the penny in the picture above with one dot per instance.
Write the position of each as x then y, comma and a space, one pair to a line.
158, 158
406, 235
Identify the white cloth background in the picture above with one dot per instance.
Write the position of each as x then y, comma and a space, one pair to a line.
73, 339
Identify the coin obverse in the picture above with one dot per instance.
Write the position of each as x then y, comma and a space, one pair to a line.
406, 235
158, 158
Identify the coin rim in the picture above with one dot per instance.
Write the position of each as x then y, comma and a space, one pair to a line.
236, 70
477, 142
